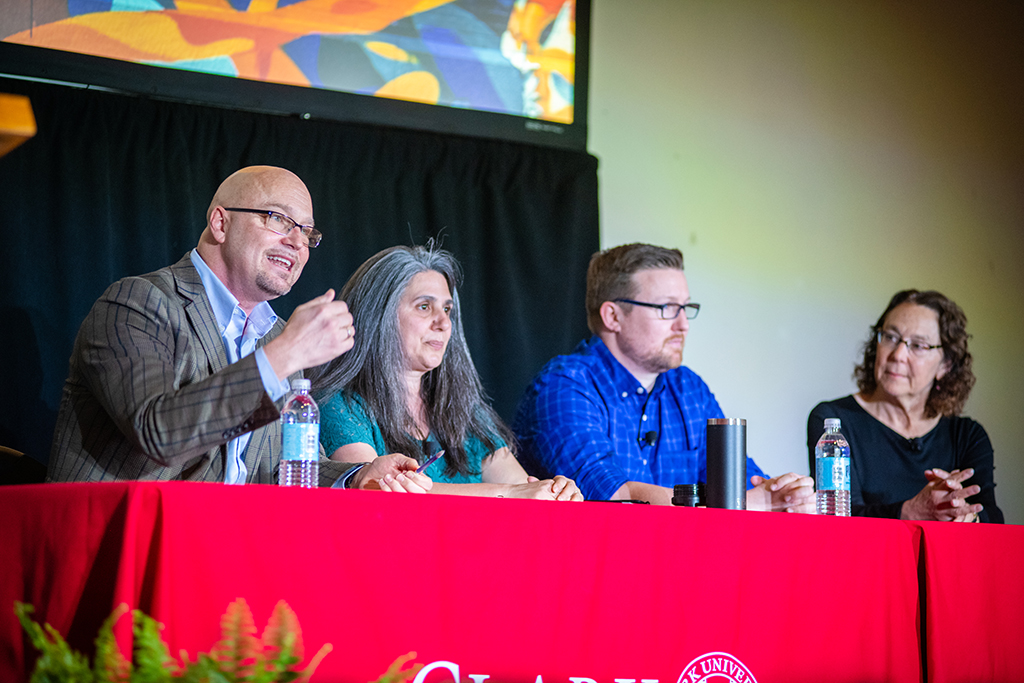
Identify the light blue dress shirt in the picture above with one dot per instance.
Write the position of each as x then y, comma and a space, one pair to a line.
240, 334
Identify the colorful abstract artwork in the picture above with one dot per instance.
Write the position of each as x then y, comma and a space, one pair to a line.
507, 56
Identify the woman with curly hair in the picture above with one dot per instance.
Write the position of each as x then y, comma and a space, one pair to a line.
911, 454
409, 385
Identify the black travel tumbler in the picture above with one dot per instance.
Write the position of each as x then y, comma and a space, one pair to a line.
727, 464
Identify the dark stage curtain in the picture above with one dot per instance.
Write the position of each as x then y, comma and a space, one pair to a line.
114, 185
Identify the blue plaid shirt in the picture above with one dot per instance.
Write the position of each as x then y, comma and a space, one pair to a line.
586, 417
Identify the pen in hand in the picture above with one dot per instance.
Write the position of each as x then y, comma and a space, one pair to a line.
430, 460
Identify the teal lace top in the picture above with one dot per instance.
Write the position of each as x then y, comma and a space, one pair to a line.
344, 421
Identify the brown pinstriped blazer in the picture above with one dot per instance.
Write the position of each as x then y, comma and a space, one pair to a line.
150, 394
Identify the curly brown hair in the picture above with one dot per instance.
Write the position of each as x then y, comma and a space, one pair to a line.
949, 395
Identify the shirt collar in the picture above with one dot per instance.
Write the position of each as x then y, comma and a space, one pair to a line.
225, 305
623, 381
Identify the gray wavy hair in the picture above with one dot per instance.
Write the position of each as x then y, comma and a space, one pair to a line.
454, 397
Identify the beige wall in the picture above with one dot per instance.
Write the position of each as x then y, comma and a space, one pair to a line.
811, 159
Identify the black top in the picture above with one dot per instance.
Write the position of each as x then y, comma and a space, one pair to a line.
887, 468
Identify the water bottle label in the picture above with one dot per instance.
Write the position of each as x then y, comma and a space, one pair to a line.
301, 441
833, 474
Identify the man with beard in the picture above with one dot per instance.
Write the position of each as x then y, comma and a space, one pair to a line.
176, 374
621, 415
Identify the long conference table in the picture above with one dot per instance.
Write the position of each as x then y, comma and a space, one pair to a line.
517, 590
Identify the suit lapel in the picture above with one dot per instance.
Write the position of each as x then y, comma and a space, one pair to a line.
204, 324
200, 313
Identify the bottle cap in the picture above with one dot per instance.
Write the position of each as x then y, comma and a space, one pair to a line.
300, 384
831, 422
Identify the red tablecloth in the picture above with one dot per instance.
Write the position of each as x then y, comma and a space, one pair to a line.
973, 607
504, 588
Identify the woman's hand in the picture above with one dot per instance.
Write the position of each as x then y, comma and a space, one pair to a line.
943, 498
501, 468
565, 489
559, 488
395, 473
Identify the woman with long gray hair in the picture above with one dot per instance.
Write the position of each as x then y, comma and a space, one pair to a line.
409, 385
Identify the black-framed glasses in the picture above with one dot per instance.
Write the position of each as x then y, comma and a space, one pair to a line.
890, 340
667, 311
282, 224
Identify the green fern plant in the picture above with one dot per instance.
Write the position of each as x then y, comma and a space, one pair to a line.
109, 666
57, 661
239, 657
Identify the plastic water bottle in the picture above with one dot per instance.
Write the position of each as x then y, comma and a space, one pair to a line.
832, 475
300, 429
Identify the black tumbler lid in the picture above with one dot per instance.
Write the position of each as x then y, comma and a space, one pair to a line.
716, 421
687, 495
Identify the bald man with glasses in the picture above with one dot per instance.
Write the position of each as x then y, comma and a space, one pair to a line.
178, 374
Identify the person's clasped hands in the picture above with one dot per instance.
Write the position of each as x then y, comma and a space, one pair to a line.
558, 488
788, 492
397, 473
944, 498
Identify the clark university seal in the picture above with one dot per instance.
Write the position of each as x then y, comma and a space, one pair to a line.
716, 667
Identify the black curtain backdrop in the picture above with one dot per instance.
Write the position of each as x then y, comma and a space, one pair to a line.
114, 185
